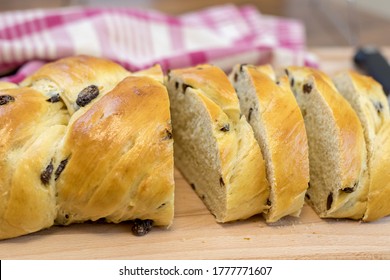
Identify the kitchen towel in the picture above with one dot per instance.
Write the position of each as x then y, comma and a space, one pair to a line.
222, 35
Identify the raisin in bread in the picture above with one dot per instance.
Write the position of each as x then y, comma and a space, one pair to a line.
337, 151
367, 98
30, 130
278, 125
66, 78
215, 148
110, 158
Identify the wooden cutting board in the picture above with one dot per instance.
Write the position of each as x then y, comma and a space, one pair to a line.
196, 235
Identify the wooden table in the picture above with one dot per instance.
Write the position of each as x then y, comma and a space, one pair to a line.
195, 234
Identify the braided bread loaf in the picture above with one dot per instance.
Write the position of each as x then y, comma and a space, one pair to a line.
84, 139
79, 143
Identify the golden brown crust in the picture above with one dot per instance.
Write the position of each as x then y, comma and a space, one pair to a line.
154, 72
69, 76
369, 89
135, 178
215, 85
241, 182
346, 135
286, 141
369, 101
112, 159
7, 85
377, 114
351, 139
351, 133
30, 129
378, 203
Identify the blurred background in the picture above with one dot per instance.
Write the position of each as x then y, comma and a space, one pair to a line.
328, 23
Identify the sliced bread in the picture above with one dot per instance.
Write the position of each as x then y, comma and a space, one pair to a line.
214, 146
378, 205
367, 98
278, 125
337, 150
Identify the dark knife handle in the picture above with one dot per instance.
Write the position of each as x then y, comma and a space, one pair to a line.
374, 64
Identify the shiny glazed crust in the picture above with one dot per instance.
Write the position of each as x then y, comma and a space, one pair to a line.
346, 186
378, 199
110, 158
30, 131
119, 159
370, 103
278, 124
69, 76
235, 186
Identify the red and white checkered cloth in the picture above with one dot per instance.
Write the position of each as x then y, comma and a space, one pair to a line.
222, 35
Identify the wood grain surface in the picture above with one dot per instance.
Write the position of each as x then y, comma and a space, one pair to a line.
196, 235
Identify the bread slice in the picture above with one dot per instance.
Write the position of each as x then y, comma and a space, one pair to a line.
367, 98
379, 193
215, 148
278, 125
337, 151
118, 158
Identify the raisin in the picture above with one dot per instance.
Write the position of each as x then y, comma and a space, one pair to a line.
308, 185
176, 85
193, 186
142, 227
378, 106
250, 114
307, 196
46, 174
185, 86
350, 189
225, 128
60, 168
66, 216
87, 95
54, 98
307, 88
292, 82
242, 66
286, 71
268, 202
235, 77
329, 201
168, 135
162, 205
5, 99
221, 182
